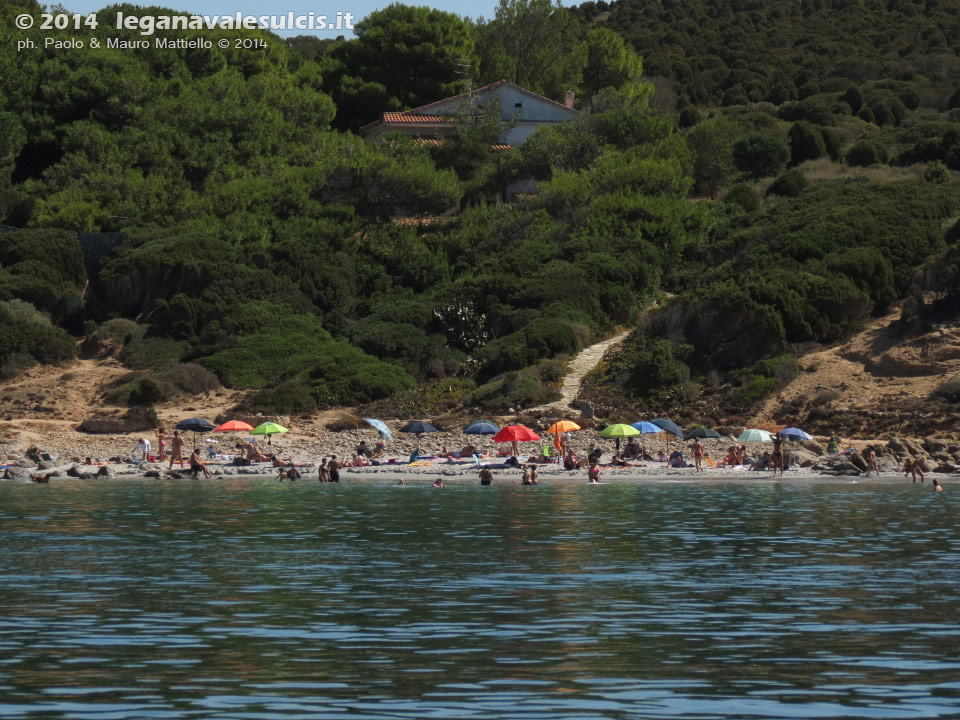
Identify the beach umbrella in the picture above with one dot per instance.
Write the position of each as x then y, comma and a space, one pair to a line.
795, 434
755, 435
194, 425
380, 426
515, 434
268, 429
418, 427
563, 426
702, 433
618, 431
647, 428
669, 425
234, 426
482, 427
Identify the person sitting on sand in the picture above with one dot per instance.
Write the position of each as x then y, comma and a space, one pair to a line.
34, 453
377, 451
676, 459
513, 462
246, 453
362, 448
486, 477
569, 460
593, 474
467, 450
731, 459
438, 483
197, 466
741, 453
631, 449
761, 463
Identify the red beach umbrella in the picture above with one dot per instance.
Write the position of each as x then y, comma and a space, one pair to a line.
234, 426
516, 433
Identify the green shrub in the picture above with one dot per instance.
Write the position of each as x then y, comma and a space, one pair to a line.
753, 391
542, 338
516, 389
866, 153
949, 390
117, 330
25, 332
806, 143
760, 155
790, 184
744, 196
936, 172
782, 369
151, 353
188, 378
147, 392
289, 398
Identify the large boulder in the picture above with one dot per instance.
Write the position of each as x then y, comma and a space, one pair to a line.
17, 473
116, 426
945, 467
856, 459
934, 446
897, 446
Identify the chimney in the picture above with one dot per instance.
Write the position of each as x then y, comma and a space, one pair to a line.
568, 99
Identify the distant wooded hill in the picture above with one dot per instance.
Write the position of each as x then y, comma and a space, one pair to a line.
730, 52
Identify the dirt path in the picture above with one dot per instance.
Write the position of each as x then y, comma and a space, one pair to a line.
585, 361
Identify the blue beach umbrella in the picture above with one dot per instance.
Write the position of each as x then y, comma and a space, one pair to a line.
795, 434
482, 427
647, 428
380, 426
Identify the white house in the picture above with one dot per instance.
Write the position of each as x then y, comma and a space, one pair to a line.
527, 109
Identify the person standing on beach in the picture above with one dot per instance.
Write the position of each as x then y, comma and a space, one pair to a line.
697, 448
161, 445
197, 466
870, 455
143, 449
176, 449
334, 467
778, 460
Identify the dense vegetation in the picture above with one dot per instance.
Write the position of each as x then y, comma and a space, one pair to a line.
779, 170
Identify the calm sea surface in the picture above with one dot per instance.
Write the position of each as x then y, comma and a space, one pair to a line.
254, 599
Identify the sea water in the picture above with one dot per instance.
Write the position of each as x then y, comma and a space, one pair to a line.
248, 598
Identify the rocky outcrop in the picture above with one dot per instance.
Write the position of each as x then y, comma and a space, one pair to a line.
115, 426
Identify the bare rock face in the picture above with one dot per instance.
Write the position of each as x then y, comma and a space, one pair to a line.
935, 446
585, 408
897, 446
945, 467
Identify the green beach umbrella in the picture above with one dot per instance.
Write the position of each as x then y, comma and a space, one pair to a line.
268, 429
618, 431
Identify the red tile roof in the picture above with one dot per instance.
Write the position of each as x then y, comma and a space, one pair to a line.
404, 118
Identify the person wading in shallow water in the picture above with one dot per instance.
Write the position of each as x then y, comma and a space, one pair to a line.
593, 474
334, 467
